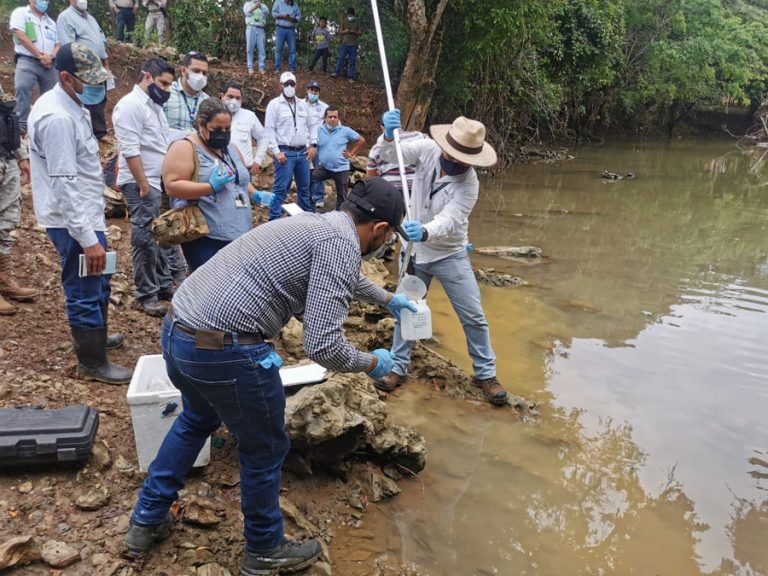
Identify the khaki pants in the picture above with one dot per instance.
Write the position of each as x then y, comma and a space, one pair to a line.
10, 202
155, 21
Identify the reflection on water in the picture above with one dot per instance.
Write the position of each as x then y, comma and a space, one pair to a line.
643, 334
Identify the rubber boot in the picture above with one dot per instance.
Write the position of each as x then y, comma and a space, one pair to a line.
113, 340
92, 362
6, 308
8, 286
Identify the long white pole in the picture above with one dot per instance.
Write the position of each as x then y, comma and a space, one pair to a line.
398, 147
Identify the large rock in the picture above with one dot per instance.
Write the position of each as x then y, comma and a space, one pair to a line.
330, 421
18, 551
375, 270
59, 554
293, 337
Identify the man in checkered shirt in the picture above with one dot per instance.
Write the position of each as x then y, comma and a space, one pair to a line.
216, 350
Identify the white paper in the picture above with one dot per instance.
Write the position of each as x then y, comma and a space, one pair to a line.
292, 209
300, 375
110, 84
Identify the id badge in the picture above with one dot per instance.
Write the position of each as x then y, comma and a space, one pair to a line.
240, 200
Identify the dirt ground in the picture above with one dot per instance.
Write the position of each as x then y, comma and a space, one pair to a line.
45, 508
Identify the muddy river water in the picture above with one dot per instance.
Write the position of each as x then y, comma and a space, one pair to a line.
643, 334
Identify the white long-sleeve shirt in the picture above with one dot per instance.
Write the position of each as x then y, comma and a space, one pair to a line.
142, 130
67, 181
246, 128
445, 214
289, 124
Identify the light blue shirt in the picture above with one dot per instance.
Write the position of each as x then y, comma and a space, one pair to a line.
76, 26
331, 143
282, 8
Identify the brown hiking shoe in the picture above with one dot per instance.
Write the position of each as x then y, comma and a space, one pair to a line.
493, 391
389, 382
8, 286
6, 308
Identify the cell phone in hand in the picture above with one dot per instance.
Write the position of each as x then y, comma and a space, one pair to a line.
109, 268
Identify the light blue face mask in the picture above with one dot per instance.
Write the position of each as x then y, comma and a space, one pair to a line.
313, 97
92, 94
41, 5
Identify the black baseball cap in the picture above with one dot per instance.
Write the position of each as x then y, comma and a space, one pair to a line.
313, 84
377, 197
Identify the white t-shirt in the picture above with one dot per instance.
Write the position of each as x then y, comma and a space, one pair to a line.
41, 31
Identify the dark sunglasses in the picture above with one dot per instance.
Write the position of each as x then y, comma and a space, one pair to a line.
289, 83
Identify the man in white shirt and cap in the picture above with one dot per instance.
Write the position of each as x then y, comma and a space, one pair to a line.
245, 127
445, 189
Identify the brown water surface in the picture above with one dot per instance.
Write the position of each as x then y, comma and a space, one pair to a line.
644, 336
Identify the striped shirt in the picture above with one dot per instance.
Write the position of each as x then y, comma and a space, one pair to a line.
181, 108
391, 172
307, 264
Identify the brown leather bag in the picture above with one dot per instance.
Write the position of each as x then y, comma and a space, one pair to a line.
181, 225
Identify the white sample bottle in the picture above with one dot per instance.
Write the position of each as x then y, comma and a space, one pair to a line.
416, 325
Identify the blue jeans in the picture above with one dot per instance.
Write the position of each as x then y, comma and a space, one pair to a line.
456, 276
29, 72
126, 22
230, 386
285, 34
296, 166
150, 262
318, 192
199, 251
255, 38
344, 52
85, 295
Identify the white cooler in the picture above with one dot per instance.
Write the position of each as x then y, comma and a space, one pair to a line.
156, 403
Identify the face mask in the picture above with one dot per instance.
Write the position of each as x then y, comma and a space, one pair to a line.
351, 18
289, 91
377, 253
233, 104
218, 139
92, 94
197, 81
157, 94
81, 5
452, 168
313, 97
42, 5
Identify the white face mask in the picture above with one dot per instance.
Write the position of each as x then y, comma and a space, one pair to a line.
289, 91
233, 104
351, 18
197, 81
82, 5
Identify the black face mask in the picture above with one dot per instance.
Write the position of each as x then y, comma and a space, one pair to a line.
157, 94
452, 168
218, 139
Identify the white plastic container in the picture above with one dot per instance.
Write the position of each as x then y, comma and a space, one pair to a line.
155, 405
416, 325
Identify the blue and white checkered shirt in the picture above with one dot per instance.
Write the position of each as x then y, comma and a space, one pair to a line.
180, 109
307, 264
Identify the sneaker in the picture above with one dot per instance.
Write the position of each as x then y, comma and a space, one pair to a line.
141, 538
389, 382
334, 75
320, 204
351, 80
290, 556
492, 390
166, 294
250, 72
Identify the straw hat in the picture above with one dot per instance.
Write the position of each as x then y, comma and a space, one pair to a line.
464, 140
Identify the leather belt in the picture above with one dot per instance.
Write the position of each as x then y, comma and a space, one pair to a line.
213, 339
292, 148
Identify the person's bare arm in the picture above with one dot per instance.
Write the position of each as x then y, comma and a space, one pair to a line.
178, 168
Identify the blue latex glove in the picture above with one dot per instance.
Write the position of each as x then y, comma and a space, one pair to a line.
391, 121
384, 364
398, 302
414, 229
272, 360
220, 177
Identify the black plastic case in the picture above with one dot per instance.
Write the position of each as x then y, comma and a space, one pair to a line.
30, 436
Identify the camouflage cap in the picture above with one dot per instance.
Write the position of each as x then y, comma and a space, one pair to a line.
81, 61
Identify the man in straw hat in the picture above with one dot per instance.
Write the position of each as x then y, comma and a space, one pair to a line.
445, 189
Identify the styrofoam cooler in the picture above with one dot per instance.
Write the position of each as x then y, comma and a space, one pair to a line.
155, 405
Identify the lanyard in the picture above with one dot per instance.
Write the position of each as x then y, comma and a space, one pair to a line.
293, 112
191, 111
432, 189
224, 156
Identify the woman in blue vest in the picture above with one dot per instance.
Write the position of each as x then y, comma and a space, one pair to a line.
223, 184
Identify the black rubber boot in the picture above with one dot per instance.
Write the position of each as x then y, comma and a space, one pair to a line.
113, 340
140, 539
290, 556
91, 351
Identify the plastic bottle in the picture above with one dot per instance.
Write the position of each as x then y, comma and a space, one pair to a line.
416, 325
263, 197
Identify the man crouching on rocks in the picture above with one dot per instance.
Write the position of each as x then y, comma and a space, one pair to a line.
445, 189
217, 350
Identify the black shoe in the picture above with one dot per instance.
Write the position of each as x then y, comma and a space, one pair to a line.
166, 294
290, 556
141, 539
92, 362
389, 382
151, 307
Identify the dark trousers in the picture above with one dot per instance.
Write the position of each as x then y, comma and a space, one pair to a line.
319, 53
240, 386
85, 296
340, 179
126, 22
98, 119
199, 251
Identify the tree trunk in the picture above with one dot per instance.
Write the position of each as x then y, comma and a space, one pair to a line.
417, 83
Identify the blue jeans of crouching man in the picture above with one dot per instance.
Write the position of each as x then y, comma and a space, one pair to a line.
230, 385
